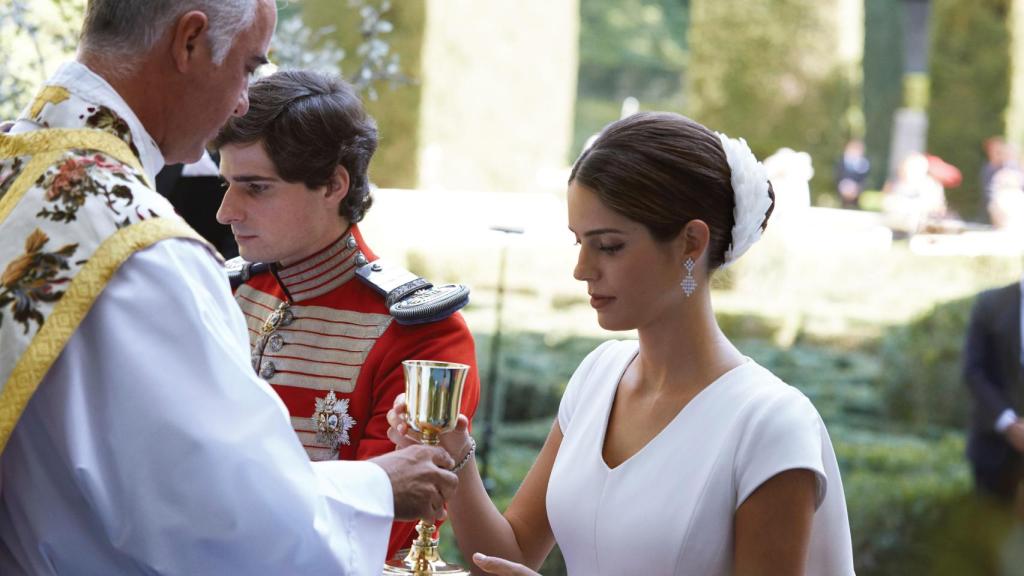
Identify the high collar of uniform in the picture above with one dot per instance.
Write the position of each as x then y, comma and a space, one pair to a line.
325, 270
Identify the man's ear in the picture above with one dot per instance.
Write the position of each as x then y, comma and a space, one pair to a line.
187, 39
337, 186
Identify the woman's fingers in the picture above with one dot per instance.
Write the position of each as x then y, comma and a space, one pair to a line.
501, 567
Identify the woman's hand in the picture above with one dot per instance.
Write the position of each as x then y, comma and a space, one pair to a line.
501, 567
455, 442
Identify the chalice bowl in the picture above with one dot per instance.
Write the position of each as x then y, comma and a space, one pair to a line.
433, 394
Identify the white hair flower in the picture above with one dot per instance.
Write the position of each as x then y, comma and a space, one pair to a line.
750, 188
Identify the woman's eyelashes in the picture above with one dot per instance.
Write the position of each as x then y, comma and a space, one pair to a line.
606, 247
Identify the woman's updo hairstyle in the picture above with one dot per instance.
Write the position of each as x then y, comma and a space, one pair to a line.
663, 170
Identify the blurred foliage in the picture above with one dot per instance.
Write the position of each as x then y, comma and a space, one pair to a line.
534, 371
920, 380
35, 36
883, 81
642, 34
770, 71
837, 380
629, 48
970, 88
292, 39
397, 106
899, 489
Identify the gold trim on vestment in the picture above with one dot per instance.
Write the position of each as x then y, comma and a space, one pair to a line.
48, 95
69, 311
25, 181
64, 139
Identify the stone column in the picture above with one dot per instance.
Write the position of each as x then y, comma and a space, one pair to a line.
498, 90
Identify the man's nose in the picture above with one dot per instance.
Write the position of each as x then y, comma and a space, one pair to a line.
228, 213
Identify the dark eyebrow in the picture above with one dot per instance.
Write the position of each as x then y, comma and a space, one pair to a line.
600, 231
245, 178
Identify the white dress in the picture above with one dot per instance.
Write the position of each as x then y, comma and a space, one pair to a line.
669, 508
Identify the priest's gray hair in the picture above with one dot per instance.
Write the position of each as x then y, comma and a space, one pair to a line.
123, 31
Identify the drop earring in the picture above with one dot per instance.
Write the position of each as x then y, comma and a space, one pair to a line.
689, 283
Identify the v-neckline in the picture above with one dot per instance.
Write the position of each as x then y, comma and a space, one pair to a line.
610, 402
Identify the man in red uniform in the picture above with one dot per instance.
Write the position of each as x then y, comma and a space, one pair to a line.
329, 342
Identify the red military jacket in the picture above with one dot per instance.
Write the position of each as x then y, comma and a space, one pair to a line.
334, 349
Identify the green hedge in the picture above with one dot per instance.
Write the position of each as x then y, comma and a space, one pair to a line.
769, 71
534, 371
899, 489
970, 79
920, 378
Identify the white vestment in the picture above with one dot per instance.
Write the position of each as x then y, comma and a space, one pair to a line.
151, 447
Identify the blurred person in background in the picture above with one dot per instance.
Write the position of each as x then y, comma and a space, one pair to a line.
915, 197
993, 357
790, 173
993, 371
998, 155
851, 172
1006, 205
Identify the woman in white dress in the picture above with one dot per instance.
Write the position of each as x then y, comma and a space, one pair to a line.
673, 454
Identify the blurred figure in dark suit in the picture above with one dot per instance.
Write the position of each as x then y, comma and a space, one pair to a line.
852, 171
993, 372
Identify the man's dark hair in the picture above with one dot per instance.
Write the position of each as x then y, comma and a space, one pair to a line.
309, 124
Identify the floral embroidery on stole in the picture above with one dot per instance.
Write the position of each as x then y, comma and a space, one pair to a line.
75, 203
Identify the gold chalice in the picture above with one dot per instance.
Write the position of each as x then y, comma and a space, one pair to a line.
433, 393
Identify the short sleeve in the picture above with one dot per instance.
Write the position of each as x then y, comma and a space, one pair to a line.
567, 407
783, 433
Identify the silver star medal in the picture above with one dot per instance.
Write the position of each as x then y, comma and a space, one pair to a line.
332, 421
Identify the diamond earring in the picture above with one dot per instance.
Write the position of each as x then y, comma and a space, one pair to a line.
689, 283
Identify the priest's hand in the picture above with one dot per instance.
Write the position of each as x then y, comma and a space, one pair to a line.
501, 567
420, 481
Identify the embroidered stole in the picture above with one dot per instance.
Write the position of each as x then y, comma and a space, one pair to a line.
74, 205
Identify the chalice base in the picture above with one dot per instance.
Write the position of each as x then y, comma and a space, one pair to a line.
423, 562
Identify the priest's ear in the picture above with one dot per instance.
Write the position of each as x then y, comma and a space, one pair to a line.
188, 38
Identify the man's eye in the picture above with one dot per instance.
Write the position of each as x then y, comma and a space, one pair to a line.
612, 248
